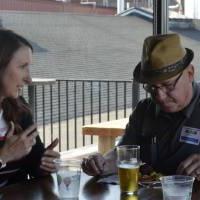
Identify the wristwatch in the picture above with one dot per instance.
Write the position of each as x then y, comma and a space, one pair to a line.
2, 164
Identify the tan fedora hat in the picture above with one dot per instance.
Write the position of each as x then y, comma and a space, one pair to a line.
163, 57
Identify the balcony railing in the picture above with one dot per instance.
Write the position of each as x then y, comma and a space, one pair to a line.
62, 107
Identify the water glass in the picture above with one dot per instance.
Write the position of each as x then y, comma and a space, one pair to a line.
128, 162
68, 177
177, 187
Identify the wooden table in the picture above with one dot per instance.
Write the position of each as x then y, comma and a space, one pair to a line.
107, 132
90, 189
38, 189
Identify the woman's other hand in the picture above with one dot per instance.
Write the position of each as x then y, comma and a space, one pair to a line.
49, 155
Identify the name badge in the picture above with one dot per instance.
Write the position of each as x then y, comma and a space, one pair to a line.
190, 135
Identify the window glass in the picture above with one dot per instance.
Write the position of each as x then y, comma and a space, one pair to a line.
184, 19
80, 39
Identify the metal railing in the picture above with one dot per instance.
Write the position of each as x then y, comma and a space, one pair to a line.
62, 107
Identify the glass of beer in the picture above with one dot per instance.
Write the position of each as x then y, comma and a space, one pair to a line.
128, 162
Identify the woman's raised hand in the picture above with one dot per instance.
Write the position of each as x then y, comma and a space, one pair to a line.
17, 146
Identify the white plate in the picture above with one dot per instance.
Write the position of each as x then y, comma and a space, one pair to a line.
150, 184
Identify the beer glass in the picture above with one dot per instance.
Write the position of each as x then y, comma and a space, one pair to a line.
128, 162
124, 196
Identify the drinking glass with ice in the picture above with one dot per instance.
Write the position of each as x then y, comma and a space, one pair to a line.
68, 177
177, 187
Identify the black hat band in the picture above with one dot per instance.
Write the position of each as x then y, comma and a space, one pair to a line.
166, 70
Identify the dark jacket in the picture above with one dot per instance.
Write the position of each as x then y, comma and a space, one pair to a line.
165, 139
28, 166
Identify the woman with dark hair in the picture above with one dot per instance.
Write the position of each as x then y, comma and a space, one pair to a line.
22, 153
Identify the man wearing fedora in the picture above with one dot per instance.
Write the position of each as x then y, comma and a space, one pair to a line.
166, 125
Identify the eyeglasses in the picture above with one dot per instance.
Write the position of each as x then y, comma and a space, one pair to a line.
165, 88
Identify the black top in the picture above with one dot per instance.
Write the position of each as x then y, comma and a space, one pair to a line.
27, 166
165, 139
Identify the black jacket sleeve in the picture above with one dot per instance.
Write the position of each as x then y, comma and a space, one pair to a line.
140, 123
132, 130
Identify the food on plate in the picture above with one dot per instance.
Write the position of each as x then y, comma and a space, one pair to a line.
147, 174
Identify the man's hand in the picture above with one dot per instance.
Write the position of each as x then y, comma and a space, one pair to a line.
19, 145
94, 165
49, 155
100, 165
190, 166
